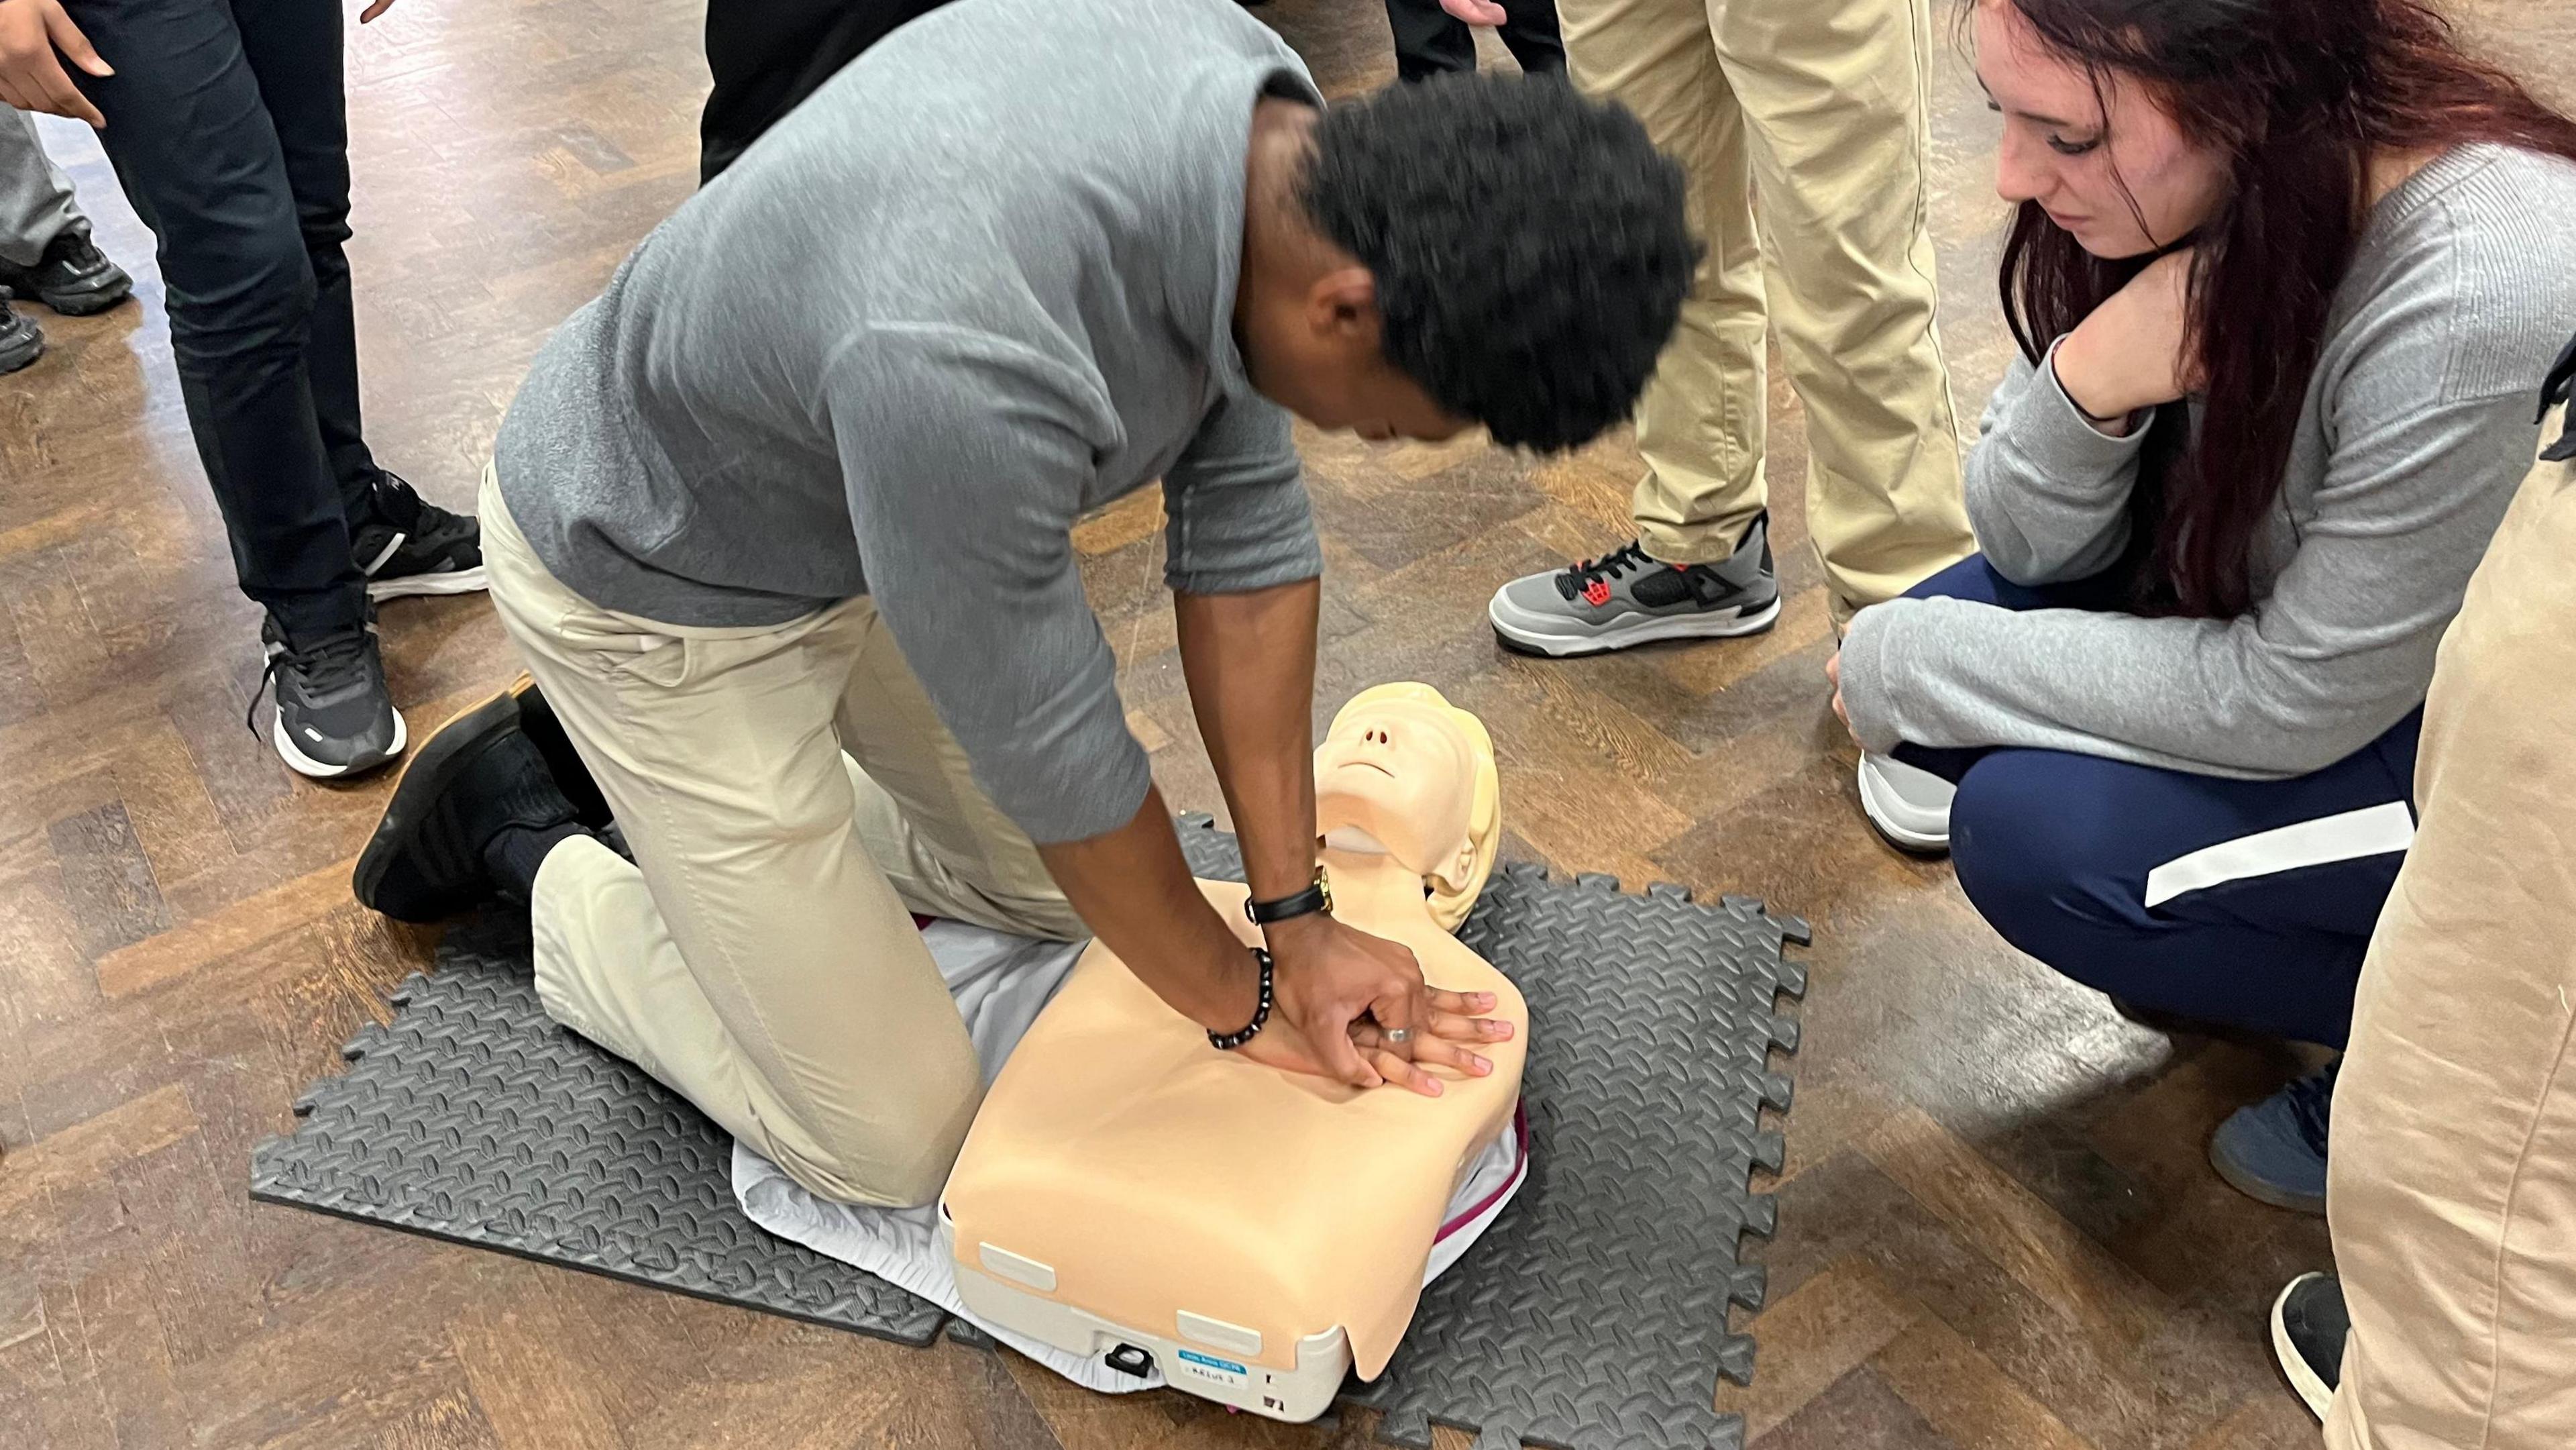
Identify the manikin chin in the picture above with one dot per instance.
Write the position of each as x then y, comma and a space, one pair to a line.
1256, 1233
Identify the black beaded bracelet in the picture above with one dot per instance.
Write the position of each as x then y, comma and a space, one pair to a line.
1229, 1041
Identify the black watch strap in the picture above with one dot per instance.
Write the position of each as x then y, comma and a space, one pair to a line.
1315, 898
1229, 1041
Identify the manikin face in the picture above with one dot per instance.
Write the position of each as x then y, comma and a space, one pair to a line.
2086, 163
1401, 766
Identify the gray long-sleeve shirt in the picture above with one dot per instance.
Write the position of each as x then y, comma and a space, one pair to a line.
2416, 431
981, 282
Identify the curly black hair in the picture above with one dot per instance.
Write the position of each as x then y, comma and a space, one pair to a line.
1529, 246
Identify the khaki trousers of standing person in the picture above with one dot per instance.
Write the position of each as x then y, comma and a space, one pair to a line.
791, 800
1821, 108
2452, 1166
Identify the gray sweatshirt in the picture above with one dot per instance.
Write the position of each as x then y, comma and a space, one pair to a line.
2416, 432
981, 282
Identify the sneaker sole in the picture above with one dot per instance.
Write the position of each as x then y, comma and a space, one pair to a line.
23, 355
88, 303
2261, 1192
305, 765
425, 777
422, 586
1911, 842
1526, 633
2311, 1388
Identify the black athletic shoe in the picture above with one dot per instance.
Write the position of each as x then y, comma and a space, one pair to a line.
74, 278
2309, 1326
477, 776
21, 341
412, 546
334, 716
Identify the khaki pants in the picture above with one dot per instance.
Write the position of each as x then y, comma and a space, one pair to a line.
2453, 1162
759, 957
1822, 108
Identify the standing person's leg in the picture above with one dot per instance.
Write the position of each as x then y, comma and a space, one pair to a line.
194, 144
190, 134
36, 202
2453, 1196
1700, 425
1429, 41
752, 957
1533, 38
404, 545
294, 48
1836, 94
767, 55
45, 250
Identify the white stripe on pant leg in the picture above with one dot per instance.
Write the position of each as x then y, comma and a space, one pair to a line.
2348, 836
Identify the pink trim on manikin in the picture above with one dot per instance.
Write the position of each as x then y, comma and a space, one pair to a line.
1503, 1190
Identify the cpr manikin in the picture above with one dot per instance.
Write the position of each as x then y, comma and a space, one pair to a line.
1255, 1232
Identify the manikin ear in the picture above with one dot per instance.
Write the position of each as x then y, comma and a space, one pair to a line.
1341, 310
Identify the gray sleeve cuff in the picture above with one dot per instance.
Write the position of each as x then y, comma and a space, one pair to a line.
2060, 435
1868, 692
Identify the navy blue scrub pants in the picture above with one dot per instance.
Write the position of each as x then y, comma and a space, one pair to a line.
2239, 903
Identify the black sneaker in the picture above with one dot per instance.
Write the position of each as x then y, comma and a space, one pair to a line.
2309, 1326
477, 776
1630, 598
412, 546
21, 341
74, 278
334, 716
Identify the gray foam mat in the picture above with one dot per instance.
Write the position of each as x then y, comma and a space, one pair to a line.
473, 1117
1593, 1314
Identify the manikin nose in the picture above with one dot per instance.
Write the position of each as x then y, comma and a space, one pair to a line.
1377, 735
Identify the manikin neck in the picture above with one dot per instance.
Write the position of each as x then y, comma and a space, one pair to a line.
1370, 885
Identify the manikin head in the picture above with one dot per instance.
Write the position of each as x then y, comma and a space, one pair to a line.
1408, 774
1470, 250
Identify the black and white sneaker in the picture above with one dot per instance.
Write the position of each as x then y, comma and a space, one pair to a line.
334, 716
74, 278
413, 547
1630, 598
2309, 1326
21, 341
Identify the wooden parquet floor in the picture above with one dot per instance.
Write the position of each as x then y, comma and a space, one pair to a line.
1998, 1230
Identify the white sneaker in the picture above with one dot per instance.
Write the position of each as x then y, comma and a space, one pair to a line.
1908, 805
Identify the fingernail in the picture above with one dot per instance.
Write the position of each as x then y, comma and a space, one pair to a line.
1431, 1087
1482, 1067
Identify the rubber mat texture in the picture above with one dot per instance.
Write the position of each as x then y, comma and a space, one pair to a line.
1592, 1316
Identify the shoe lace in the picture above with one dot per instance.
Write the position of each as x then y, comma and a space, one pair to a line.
328, 666
2311, 1099
1614, 565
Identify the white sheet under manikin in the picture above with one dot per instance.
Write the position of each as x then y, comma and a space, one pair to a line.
1001, 983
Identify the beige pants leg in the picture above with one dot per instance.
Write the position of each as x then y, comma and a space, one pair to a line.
1822, 109
2453, 1166
756, 957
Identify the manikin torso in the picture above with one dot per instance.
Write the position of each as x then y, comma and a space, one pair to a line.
1155, 1175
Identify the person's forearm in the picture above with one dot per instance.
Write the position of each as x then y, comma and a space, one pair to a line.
1250, 662
1134, 890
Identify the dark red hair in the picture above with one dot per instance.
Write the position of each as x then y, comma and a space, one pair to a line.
2298, 96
